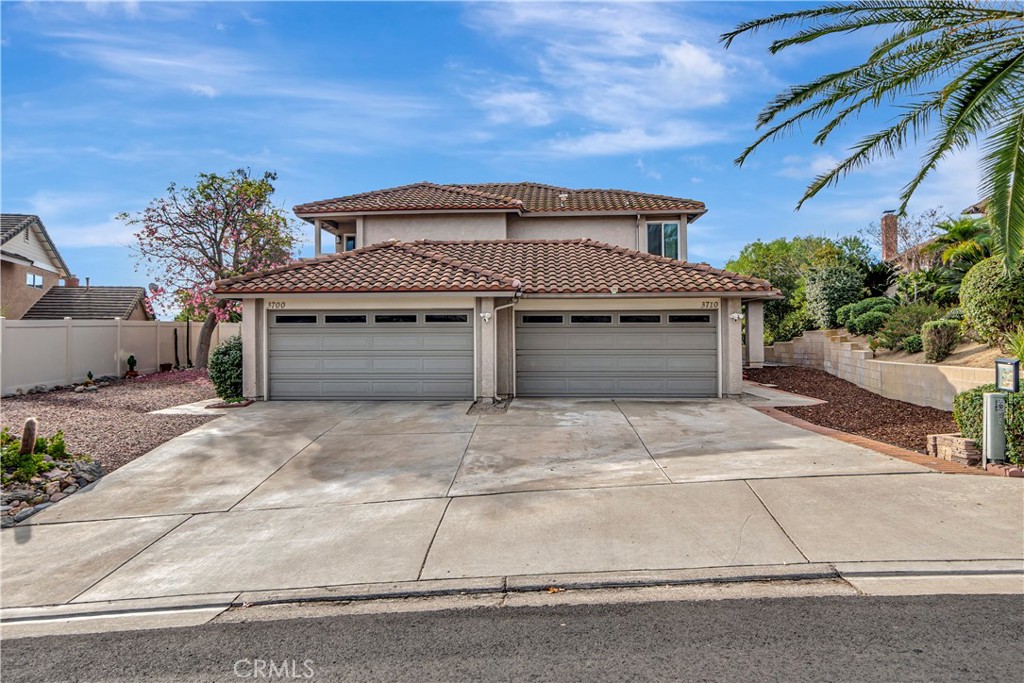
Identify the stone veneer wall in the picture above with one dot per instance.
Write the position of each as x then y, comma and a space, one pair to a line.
920, 384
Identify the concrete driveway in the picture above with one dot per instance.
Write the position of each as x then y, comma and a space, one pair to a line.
283, 496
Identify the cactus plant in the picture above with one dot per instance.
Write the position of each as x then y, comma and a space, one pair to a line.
132, 363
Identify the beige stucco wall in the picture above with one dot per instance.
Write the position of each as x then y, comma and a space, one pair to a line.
618, 230
408, 228
732, 347
934, 386
15, 296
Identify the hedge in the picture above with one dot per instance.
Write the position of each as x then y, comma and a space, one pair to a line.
968, 413
905, 321
851, 311
1015, 428
828, 289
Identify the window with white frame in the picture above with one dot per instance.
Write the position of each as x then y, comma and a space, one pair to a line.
663, 239
34, 280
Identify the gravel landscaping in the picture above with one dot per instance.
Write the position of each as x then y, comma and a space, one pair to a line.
112, 425
855, 410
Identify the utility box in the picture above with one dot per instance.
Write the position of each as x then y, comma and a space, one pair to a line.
993, 428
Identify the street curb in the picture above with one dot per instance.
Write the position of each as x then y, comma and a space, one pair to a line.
426, 589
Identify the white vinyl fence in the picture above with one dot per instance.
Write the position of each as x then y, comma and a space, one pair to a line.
53, 352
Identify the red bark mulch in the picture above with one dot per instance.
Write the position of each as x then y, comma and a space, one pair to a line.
855, 410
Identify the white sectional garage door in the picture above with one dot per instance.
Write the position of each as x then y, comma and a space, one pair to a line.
627, 353
371, 354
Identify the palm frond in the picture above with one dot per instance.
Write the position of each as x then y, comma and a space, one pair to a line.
1003, 179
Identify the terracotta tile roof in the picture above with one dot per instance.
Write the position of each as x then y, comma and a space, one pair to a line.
525, 197
384, 267
580, 266
87, 303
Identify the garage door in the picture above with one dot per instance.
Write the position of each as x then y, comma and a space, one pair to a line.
581, 353
371, 355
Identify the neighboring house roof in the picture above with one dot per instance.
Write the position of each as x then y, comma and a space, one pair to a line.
578, 266
87, 303
13, 224
976, 208
522, 197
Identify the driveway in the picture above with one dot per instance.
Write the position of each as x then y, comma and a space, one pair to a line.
281, 496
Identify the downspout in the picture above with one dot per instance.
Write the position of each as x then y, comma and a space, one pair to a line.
638, 232
515, 300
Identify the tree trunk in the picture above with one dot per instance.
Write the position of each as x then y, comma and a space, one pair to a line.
202, 358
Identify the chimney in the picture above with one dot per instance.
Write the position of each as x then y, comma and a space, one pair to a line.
87, 284
71, 281
890, 239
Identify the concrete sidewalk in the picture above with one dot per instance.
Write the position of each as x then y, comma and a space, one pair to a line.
283, 501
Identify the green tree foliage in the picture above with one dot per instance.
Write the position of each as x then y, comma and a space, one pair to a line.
868, 323
226, 368
952, 71
784, 263
830, 287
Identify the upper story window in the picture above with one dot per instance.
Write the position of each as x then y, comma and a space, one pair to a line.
34, 280
663, 239
347, 242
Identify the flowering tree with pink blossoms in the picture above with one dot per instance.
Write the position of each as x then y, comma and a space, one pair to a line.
194, 236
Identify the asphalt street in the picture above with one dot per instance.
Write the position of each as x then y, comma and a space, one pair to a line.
932, 638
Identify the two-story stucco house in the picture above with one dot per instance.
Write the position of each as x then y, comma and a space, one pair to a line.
36, 284
506, 289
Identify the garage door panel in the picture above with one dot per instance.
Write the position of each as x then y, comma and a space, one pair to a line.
617, 359
328, 360
294, 342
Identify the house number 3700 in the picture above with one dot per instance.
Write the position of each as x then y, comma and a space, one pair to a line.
275, 304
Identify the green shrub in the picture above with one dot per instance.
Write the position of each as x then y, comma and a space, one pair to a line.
1014, 343
954, 314
793, 324
967, 411
993, 302
225, 368
913, 344
829, 288
868, 323
24, 467
843, 314
1015, 428
905, 321
939, 338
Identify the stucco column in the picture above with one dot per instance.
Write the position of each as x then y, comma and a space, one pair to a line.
755, 334
487, 334
732, 347
253, 351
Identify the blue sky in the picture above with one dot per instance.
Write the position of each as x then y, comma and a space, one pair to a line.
104, 104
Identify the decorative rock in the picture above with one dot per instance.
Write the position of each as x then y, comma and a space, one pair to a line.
4, 508
19, 391
19, 494
6, 522
103, 384
38, 499
58, 497
92, 388
56, 474
71, 489
42, 506
80, 388
41, 388
24, 514
52, 488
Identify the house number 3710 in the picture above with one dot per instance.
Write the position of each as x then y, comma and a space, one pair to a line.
709, 304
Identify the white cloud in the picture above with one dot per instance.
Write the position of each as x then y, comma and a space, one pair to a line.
806, 168
527, 107
629, 77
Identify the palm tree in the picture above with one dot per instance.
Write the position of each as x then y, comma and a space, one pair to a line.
964, 241
954, 69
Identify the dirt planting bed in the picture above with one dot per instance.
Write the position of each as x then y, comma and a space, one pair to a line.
855, 410
112, 425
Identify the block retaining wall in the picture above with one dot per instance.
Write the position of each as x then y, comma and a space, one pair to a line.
921, 384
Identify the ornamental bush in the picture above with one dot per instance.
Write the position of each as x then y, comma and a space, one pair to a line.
905, 321
939, 338
225, 368
913, 344
992, 301
1015, 428
843, 315
851, 311
967, 411
829, 288
868, 323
